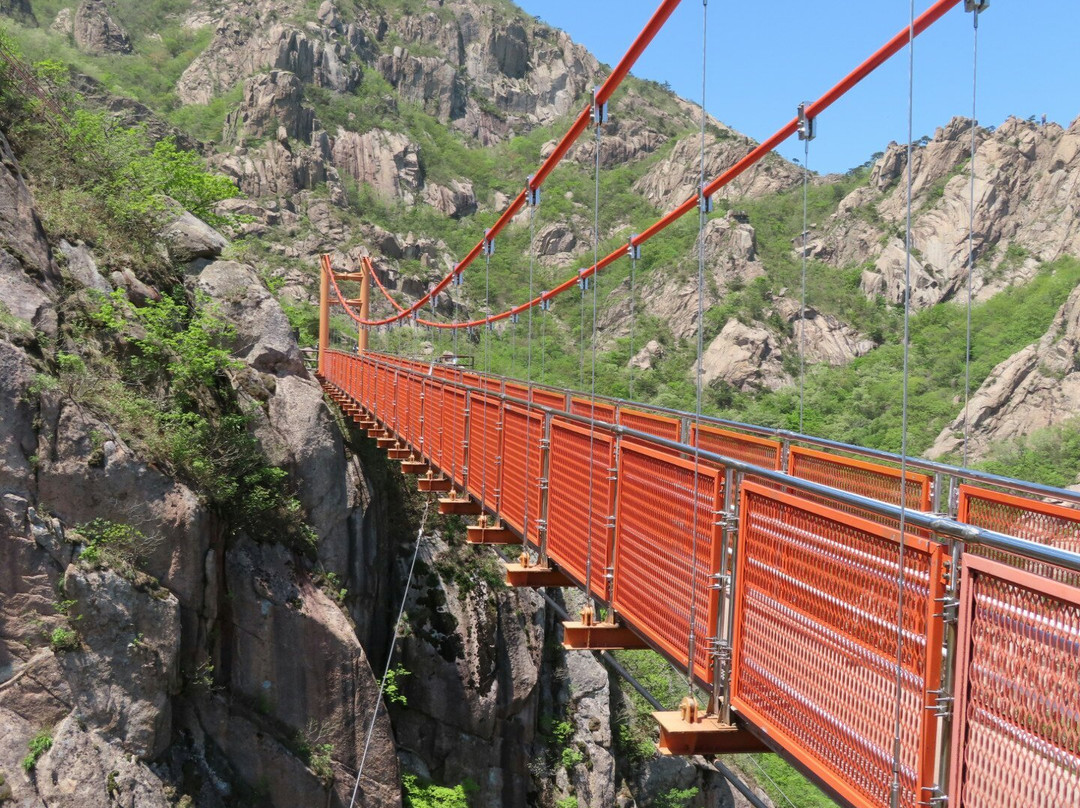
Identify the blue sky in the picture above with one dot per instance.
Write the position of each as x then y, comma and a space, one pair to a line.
764, 58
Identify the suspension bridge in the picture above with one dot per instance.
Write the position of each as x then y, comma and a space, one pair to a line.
906, 632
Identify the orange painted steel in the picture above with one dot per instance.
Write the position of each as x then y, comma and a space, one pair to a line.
667, 551
815, 643
1029, 519
1016, 736
660, 425
549, 398
859, 477
522, 458
816, 585
748, 448
485, 447
599, 410
569, 520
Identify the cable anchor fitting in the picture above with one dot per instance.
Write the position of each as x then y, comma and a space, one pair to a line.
705, 203
532, 195
515, 318
633, 250
599, 111
489, 243
807, 127
545, 303
583, 280
978, 6
459, 278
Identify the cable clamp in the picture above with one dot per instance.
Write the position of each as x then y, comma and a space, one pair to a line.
515, 318
545, 444
458, 278
545, 304
583, 280
705, 203
599, 111
490, 325
633, 250
938, 798
978, 6
807, 129
489, 243
610, 522
532, 195
542, 483
950, 608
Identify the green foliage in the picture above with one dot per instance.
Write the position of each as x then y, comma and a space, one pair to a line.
568, 802
782, 783
676, 798
571, 757
1050, 456
422, 794
63, 638
38, 745
115, 545
860, 402
392, 691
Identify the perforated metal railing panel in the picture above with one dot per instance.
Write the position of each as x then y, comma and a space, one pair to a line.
815, 642
454, 434
587, 407
485, 444
1016, 737
1027, 518
523, 433
748, 448
659, 425
580, 525
516, 390
859, 477
666, 550
549, 398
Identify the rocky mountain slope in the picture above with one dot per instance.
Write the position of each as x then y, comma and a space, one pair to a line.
182, 673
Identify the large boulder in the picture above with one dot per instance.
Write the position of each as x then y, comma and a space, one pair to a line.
747, 357
96, 32
264, 338
188, 237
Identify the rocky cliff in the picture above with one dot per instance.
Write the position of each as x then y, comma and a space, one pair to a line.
228, 665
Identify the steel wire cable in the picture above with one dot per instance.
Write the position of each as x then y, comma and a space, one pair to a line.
534, 201
633, 316
971, 233
895, 796
390, 653
592, 413
699, 369
802, 310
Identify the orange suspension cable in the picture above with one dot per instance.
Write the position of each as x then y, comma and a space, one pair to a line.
921, 23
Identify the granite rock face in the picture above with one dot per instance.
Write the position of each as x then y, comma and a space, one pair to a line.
96, 32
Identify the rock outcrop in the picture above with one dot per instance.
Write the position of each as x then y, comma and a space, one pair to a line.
387, 161
96, 32
1036, 388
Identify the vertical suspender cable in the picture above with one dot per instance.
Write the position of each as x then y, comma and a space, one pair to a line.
633, 314
390, 654
533, 202
581, 341
699, 369
971, 233
487, 368
802, 309
895, 796
597, 122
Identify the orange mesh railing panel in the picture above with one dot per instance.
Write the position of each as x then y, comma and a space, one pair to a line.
470, 379
1016, 735
659, 425
815, 643
859, 477
516, 390
454, 434
485, 446
434, 414
1024, 518
666, 551
600, 412
577, 531
522, 456
415, 387
748, 448
549, 398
